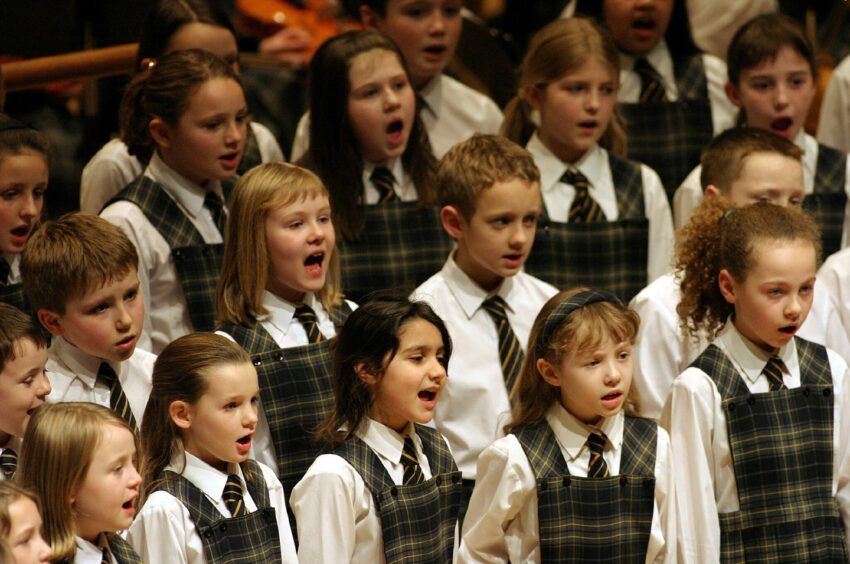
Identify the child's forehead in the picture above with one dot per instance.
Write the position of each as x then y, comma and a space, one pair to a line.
25, 354
503, 194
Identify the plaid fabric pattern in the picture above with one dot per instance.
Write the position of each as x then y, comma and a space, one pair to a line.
781, 444
610, 255
14, 295
247, 539
669, 136
122, 550
197, 263
418, 521
593, 519
402, 245
827, 202
250, 154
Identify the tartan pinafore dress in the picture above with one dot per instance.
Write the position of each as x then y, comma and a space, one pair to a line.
670, 136
782, 452
593, 519
122, 551
402, 245
418, 521
14, 295
250, 538
197, 263
828, 200
610, 255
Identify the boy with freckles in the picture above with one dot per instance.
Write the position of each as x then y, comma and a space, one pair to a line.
489, 192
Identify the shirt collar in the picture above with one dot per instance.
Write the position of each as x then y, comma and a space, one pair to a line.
394, 165
209, 480
386, 442
572, 434
591, 164
432, 95
749, 358
659, 57
282, 311
84, 366
88, 552
470, 295
187, 193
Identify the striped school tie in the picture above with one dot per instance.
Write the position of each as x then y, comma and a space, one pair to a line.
584, 208
212, 202
8, 463
510, 351
383, 180
597, 467
5, 270
307, 317
651, 86
412, 471
773, 370
105, 558
117, 399
232, 496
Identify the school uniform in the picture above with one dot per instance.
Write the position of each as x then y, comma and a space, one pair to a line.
404, 187
186, 520
635, 205
768, 466
112, 167
505, 514
73, 377
451, 112
12, 289
662, 351
178, 284
375, 518
826, 185
832, 278
669, 136
109, 548
12, 447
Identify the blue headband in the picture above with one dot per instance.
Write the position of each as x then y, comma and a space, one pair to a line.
565, 308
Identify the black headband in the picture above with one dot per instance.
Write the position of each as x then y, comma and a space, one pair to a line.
13, 124
565, 308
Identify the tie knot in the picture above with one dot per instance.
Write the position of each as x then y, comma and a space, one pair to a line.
212, 201
596, 442
305, 314
576, 179
408, 452
412, 472
383, 180
774, 370
496, 307
232, 495
106, 374
8, 462
5, 270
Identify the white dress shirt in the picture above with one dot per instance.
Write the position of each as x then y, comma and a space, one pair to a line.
690, 194
90, 553
558, 197
404, 187
474, 404
14, 262
697, 425
502, 524
834, 278
166, 312
662, 351
73, 377
834, 122
164, 531
723, 113
285, 329
112, 168
333, 499
453, 113
15, 444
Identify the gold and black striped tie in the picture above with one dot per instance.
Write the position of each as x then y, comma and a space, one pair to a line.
8, 463
307, 317
651, 87
584, 208
510, 352
117, 399
212, 202
597, 468
232, 496
773, 370
412, 471
384, 182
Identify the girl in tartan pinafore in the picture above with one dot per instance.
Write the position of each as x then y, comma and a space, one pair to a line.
204, 499
20, 525
564, 115
80, 461
578, 478
390, 489
279, 298
363, 122
187, 113
757, 418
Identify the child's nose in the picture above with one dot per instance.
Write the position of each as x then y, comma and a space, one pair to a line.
235, 132
437, 24
612, 374
44, 388
29, 208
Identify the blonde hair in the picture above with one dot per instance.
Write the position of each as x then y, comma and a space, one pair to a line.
585, 329
9, 494
72, 256
560, 48
245, 269
179, 374
59, 446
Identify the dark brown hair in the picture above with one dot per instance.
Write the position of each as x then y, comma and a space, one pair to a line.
761, 38
14, 326
16, 136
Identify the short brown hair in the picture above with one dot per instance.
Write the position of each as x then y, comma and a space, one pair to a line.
477, 163
14, 326
761, 38
71, 256
723, 159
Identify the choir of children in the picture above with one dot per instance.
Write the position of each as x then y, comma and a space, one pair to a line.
485, 416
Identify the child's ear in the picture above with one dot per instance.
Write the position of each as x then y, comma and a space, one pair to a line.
160, 132
711, 190
548, 372
369, 17
531, 94
181, 414
732, 94
453, 221
365, 374
727, 285
52, 321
